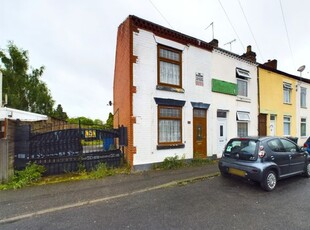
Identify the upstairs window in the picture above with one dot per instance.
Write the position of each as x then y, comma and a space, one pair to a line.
287, 91
303, 97
242, 82
169, 66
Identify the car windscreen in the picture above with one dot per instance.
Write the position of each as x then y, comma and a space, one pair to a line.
243, 149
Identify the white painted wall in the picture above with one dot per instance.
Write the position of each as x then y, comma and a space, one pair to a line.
224, 68
211, 65
303, 113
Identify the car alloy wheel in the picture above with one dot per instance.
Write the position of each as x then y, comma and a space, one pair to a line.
270, 181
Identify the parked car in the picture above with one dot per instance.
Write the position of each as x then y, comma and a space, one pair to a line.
307, 145
264, 159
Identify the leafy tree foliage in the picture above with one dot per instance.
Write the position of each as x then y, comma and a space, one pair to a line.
59, 113
97, 123
25, 90
109, 122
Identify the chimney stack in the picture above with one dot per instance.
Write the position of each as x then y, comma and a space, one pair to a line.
272, 63
249, 55
214, 43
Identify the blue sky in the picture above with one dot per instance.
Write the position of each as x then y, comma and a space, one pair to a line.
75, 39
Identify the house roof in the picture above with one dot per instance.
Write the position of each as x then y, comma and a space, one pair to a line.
169, 33
182, 38
262, 66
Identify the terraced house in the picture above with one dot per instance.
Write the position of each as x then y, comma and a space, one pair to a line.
178, 95
283, 103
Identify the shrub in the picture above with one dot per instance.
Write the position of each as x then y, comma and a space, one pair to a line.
171, 163
101, 171
29, 175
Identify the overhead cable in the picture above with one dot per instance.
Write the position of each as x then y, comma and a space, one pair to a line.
250, 30
160, 13
288, 38
232, 25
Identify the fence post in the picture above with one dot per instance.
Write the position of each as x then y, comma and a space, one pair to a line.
3, 161
6, 156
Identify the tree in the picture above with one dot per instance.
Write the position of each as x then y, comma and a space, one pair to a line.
25, 90
109, 122
59, 113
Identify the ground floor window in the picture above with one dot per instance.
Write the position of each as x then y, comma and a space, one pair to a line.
169, 125
242, 129
287, 125
243, 119
303, 127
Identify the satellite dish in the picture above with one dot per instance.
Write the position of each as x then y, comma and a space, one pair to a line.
301, 68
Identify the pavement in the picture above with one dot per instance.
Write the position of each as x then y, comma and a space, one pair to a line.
43, 199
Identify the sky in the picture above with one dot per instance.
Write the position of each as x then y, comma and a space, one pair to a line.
76, 39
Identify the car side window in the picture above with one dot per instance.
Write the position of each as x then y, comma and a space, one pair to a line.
276, 146
288, 146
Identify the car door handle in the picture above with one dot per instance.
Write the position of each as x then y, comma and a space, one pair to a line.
290, 157
272, 158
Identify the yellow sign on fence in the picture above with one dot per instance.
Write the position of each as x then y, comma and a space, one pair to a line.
90, 133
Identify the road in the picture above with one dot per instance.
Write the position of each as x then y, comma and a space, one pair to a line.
214, 203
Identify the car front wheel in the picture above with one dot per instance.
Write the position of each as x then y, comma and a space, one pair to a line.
269, 181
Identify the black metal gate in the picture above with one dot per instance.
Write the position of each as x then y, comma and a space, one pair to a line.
69, 150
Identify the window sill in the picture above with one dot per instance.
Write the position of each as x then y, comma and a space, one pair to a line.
287, 103
303, 107
243, 99
175, 146
170, 89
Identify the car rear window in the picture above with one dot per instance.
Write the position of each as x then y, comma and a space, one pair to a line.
243, 149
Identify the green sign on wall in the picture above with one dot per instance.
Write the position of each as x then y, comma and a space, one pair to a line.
225, 87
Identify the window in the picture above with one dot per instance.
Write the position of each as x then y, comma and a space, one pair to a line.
303, 96
275, 145
303, 127
243, 116
287, 125
169, 125
287, 90
288, 146
242, 123
221, 114
242, 82
169, 66
242, 129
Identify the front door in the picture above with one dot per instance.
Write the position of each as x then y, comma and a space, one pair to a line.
200, 133
272, 126
262, 125
221, 134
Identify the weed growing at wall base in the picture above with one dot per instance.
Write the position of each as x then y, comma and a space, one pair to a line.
175, 162
29, 175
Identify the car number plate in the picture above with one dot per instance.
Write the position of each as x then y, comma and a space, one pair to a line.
236, 172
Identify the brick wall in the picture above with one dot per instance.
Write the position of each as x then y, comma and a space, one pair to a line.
122, 98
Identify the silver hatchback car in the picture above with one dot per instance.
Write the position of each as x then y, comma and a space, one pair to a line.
264, 159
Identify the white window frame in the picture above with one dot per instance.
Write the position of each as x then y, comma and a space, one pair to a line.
303, 97
287, 122
243, 119
243, 77
287, 93
303, 127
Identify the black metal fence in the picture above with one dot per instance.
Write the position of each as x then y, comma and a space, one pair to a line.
69, 150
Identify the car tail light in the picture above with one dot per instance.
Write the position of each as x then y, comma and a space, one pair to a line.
305, 145
261, 152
